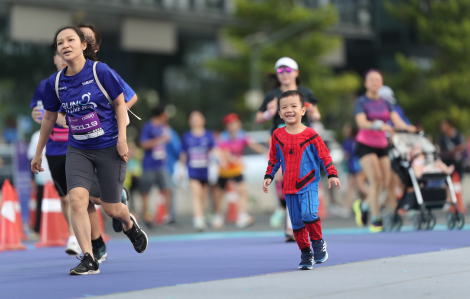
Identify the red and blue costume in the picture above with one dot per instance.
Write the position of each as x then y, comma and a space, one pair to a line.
301, 156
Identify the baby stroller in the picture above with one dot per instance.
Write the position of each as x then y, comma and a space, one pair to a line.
429, 191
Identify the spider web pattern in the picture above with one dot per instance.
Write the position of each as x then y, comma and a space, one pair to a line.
293, 147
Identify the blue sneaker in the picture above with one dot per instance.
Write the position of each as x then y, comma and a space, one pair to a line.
100, 254
117, 225
306, 261
319, 251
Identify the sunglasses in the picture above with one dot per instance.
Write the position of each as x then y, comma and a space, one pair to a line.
286, 69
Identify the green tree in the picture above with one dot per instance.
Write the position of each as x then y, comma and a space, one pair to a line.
306, 47
441, 89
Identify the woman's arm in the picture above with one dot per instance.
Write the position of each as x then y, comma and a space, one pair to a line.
132, 101
121, 116
363, 123
256, 147
400, 123
47, 124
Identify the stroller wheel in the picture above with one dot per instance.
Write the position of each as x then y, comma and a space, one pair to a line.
417, 220
432, 220
451, 220
460, 220
425, 220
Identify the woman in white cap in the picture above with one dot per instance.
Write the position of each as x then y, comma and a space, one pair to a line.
287, 74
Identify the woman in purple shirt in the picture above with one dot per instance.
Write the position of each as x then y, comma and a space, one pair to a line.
372, 113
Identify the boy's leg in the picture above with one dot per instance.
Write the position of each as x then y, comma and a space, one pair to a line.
309, 206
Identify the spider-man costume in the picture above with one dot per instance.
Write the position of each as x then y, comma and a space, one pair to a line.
301, 156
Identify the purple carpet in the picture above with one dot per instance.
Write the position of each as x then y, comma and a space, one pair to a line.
43, 273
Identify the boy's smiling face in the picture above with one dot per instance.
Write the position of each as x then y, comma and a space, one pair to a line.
291, 110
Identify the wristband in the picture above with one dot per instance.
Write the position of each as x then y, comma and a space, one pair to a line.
377, 125
267, 115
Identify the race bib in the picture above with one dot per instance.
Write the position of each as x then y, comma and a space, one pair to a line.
159, 152
198, 161
85, 127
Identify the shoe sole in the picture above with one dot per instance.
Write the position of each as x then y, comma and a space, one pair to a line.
135, 223
71, 252
72, 272
246, 225
323, 260
374, 229
305, 267
103, 258
358, 212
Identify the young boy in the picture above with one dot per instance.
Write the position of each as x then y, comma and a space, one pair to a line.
301, 152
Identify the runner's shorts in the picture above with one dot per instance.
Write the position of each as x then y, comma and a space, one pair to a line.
160, 177
80, 168
57, 167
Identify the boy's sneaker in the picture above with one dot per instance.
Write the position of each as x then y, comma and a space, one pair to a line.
87, 266
100, 253
306, 261
319, 251
117, 225
360, 214
137, 236
376, 226
73, 249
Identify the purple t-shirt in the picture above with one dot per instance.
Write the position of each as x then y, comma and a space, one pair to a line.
156, 157
90, 117
375, 110
197, 149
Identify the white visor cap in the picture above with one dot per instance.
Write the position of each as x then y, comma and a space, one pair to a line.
286, 61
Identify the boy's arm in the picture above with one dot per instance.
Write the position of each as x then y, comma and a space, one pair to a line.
273, 162
325, 158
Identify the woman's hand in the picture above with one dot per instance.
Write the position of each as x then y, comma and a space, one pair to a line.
123, 150
272, 107
266, 183
36, 164
37, 114
411, 129
387, 128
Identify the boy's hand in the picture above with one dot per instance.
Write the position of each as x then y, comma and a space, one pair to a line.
266, 183
335, 181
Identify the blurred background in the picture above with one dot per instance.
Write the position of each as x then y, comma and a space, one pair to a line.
218, 56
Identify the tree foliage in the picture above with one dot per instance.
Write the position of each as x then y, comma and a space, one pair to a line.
306, 47
441, 90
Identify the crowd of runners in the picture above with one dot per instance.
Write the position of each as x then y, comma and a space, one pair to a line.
84, 110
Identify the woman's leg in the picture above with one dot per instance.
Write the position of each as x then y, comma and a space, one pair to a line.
351, 191
371, 165
94, 220
79, 199
388, 182
198, 200
243, 197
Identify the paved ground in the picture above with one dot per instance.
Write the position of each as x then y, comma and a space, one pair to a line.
251, 264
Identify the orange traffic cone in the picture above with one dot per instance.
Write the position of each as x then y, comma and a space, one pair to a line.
322, 212
9, 234
32, 209
232, 209
19, 217
101, 221
458, 192
161, 211
52, 220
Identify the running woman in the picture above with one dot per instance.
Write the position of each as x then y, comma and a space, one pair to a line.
372, 114
56, 150
301, 152
97, 139
232, 143
197, 146
287, 75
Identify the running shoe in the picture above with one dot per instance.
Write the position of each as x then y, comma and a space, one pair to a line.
199, 224
244, 220
277, 218
290, 238
137, 236
87, 266
117, 225
361, 215
376, 226
73, 249
217, 222
100, 253
306, 261
319, 251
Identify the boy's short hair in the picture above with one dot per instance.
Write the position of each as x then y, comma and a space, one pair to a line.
158, 111
291, 93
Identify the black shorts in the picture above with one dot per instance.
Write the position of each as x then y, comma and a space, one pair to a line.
57, 167
203, 182
362, 150
110, 169
222, 182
